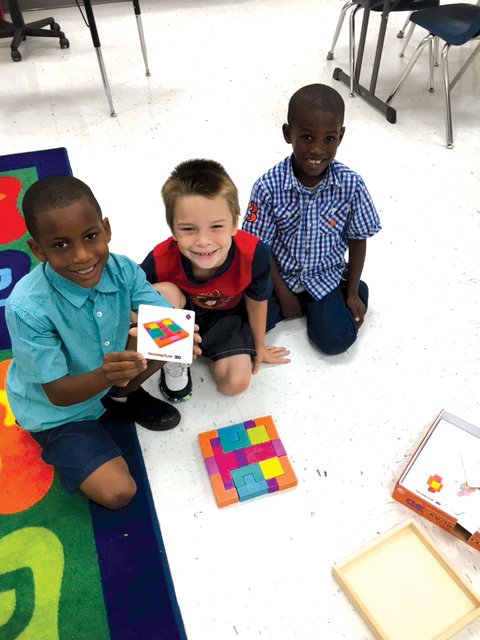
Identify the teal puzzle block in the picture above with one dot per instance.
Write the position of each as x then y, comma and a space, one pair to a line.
233, 438
253, 470
252, 488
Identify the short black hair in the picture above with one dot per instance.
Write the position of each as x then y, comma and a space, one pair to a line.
56, 192
316, 96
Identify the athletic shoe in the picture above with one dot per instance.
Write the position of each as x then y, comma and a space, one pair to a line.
149, 412
175, 381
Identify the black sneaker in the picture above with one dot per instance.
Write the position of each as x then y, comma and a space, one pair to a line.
149, 412
175, 381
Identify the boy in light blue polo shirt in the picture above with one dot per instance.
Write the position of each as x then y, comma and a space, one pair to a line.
69, 321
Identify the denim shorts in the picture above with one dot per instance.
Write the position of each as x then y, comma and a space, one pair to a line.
76, 450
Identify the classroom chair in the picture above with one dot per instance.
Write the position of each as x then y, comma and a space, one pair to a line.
377, 5
19, 30
455, 24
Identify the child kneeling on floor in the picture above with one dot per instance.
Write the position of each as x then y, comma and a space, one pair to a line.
223, 274
69, 321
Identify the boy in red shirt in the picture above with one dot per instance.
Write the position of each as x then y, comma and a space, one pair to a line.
223, 273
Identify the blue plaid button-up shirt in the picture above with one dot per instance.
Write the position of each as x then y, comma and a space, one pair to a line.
307, 231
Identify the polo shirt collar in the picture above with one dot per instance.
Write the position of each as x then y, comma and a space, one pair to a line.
74, 293
291, 182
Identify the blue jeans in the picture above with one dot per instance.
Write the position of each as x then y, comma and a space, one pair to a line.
330, 324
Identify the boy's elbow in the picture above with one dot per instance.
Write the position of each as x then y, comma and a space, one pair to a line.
56, 398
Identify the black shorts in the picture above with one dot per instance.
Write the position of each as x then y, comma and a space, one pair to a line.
76, 450
224, 333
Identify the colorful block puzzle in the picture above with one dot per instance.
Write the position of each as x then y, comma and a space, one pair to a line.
246, 460
435, 483
164, 332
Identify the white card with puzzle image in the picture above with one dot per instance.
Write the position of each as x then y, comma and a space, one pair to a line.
165, 333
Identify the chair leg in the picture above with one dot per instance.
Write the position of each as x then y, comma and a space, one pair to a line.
436, 57
401, 33
446, 88
430, 64
407, 39
409, 67
351, 47
348, 5
469, 61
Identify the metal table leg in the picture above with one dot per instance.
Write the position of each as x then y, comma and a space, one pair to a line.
96, 43
138, 16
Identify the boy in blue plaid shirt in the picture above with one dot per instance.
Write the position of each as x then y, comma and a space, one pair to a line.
310, 209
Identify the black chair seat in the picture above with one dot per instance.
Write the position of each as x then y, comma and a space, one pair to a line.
455, 24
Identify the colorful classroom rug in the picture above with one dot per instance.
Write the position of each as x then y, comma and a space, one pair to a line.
69, 569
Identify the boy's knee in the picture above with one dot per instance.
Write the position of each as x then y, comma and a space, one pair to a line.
120, 496
171, 293
234, 384
333, 343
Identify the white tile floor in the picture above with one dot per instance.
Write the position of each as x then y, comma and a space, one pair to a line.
222, 73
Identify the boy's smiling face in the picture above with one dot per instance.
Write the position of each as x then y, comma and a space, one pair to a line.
203, 228
74, 241
314, 135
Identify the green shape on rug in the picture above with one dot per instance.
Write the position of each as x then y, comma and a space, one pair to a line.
33, 555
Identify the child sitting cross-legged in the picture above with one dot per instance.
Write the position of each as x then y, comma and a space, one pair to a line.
222, 273
69, 323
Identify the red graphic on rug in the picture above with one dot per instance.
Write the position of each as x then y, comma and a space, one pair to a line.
435, 483
20, 461
251, 214
13, 225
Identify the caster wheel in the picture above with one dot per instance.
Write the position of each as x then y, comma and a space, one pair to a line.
64, 43
16, 56
55, 27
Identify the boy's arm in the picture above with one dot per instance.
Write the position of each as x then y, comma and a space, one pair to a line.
357, 250
118, 369
289, 303
257, 319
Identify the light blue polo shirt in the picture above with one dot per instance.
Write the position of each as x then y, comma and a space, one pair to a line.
58, 328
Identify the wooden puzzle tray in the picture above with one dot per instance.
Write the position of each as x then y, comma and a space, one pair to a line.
404, 588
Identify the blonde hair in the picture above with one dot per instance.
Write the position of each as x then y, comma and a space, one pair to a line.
200, 178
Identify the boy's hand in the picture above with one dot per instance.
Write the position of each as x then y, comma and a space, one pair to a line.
290, 305
357, 308
270, 355
196, 341
119, 367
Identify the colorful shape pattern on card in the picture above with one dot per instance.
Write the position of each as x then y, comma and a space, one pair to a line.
435, 483
165, 332
246, 460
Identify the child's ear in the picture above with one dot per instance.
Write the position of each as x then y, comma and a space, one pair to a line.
286, 133
36, 249
342, 133
107, 229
